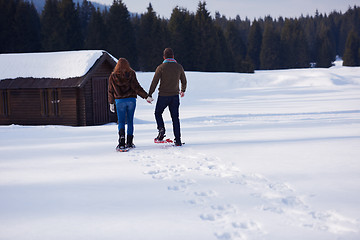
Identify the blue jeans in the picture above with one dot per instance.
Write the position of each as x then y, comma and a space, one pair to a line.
173, 102
125, 109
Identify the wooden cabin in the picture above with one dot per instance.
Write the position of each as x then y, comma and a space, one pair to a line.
58, 88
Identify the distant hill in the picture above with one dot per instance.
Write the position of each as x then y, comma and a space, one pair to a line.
39, 4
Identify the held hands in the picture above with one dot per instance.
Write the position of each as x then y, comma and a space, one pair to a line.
112, 107
149, 99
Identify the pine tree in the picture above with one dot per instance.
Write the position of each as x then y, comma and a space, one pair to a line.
121, 37
224, 59
350, 21
181, 29
50, 26
71, 38
270, 55
27, 28
86, 10
7, 32
310, 28
220, 20
352, 49
150, 40
207, 50
254, 45
237, 48
244, 28
325, 49
96, 34
334, 28
295, 47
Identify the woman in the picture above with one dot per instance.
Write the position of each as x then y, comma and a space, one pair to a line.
123, 90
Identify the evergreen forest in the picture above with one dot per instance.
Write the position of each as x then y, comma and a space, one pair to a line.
200, 42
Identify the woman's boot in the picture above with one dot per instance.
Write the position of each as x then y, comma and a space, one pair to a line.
129, 142
121, 139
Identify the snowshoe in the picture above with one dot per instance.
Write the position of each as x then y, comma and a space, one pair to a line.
122, 148
178, 143
168, 140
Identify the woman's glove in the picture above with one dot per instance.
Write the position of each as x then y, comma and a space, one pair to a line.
112, 107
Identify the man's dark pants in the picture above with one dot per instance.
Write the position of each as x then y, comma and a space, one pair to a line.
173, 102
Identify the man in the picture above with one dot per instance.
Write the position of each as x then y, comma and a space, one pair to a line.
169, 73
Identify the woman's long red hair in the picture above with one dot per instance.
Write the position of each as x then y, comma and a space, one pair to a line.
122, 67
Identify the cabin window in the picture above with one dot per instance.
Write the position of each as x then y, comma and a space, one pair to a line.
50, 102
4, 105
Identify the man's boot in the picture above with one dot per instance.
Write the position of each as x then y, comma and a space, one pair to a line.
161, 134
178, 142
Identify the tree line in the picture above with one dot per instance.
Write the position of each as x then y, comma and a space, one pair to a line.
200, 42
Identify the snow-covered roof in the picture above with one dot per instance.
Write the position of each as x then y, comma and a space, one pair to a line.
60, 65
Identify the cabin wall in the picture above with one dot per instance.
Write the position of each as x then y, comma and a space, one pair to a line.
39, 107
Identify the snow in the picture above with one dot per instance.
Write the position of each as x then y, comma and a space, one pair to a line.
41, 65
272, 155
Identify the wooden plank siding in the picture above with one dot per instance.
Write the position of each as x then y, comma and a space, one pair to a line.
80, 104
88, 103
27, 107
4, 103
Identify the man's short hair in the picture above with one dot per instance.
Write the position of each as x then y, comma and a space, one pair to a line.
168, 53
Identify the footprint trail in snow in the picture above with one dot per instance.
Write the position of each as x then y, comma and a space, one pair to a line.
191, 172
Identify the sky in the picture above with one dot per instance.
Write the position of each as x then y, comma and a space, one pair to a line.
244, 8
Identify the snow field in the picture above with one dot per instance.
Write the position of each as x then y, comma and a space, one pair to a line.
273, 155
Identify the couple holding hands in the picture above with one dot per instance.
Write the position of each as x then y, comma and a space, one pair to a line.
124, 88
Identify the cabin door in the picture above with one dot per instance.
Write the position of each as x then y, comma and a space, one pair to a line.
100, 100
